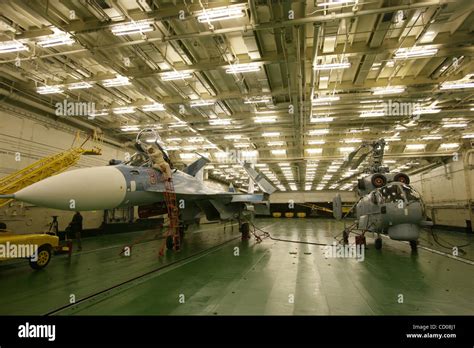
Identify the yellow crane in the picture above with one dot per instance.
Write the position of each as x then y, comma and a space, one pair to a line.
46, 167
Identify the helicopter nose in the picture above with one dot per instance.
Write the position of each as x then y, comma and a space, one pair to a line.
85, 189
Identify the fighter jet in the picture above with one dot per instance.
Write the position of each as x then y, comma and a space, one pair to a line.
136, 183
387, 204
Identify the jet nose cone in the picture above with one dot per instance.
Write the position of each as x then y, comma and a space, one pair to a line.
95, 188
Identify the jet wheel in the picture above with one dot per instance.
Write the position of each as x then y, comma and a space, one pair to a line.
414, 246
245, 230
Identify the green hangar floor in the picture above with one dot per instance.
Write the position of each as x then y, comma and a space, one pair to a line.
218, 274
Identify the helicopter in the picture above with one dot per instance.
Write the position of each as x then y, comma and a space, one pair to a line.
387, 203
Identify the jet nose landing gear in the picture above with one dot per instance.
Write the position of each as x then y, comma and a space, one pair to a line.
244, 229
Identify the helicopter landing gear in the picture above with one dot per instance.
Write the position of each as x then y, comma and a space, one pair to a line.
414, 246
378, 243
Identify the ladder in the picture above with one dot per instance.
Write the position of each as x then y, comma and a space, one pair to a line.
173, 215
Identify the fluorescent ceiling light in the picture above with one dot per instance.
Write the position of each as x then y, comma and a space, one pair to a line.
175, 75
325, 99
432, 137
56, 40
314, 151
12, 46
232, 136
174, 139
346, 149
49, 89
426, 111
202, 103
79, 85
258, 100
271, 134
457, 85
123, 110
276, 143
454, 125
118, 81
318, 131
331, 66
220, 14
99, 113
132, 28
278, 152
241, 145
336, 2
389, 161
468, 136
316, 142
415, 52
321, 119
178, 125
153, 107
220, 122
265, 119
129, 128
415, 146
243, 68
372, 114
449, 146
352, 141
388, 90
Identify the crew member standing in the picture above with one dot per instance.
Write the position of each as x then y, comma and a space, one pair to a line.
160, 163
76, 228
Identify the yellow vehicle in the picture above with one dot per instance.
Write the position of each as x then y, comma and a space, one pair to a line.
38, 248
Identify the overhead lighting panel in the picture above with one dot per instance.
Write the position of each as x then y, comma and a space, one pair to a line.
318, 131
314, 151
321, 119
123, 110
388, 90
153, 107
56, 40
132, 28
325, 99
278, 152
372, 114
457, 85
220, 14
49, 89
202, 103
316, 142
415, 52
220, 122
243, 68
331, 66
175, 75
12, 46
130, 128
258, 100
415, 147
79, 85
265, 119
116, 82
271, 134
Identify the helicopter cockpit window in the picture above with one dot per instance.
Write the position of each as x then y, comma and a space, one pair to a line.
391, 193
410, 193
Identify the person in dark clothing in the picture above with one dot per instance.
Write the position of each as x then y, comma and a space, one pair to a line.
76, 228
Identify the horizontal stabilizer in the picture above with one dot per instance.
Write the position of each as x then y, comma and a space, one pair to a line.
196, 166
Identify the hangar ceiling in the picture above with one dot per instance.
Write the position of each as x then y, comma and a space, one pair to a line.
295, 84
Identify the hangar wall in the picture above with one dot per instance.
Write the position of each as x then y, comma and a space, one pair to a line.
35, 139
314, 197
447, 191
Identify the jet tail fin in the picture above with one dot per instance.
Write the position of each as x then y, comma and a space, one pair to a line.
259, 179
196, 166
